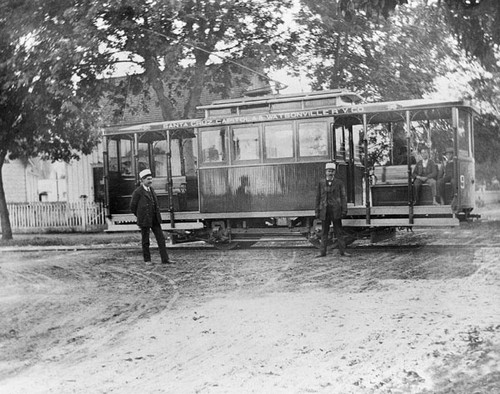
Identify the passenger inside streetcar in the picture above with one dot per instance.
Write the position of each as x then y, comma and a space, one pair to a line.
446, 176
402, 157
425, 172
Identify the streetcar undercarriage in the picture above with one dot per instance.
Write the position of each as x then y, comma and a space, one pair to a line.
236, 229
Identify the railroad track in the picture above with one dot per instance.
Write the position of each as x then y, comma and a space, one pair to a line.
265, 243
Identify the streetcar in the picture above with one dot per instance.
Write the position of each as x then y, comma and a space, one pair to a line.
248, 168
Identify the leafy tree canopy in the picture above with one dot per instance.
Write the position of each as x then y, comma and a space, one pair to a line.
476, 24
383, 58
397, 49
172, 42
47, 109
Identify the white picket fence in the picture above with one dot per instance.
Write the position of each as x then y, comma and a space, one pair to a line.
62, 216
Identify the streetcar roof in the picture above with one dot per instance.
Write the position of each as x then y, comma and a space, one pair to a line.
382, 110
348, 97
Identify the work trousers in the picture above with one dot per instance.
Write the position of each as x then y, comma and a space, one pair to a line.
441, 187
160, 240
417, 185
338, 231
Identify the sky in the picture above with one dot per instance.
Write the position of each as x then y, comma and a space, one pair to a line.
295, 84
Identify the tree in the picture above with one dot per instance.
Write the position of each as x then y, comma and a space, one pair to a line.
59, 50
476, 25
43, 110
391, 51
172, 43
382, 58
485, 91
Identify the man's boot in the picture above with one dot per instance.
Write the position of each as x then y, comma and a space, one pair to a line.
322, 249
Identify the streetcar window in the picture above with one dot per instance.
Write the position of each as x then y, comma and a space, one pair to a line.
339, 143
347, 144
357, 140
326, 102
213, 145
278, 141
221, 111
245, 143
160, 158
287, 106
126, 157
379, 138
143, 156
254, 109
113, 155
313, 139
463, 132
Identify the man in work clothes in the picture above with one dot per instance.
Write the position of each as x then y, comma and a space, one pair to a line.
448, 176
144, 206
331, 207
425, 172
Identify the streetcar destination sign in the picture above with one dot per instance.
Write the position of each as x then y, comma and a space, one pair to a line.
408, 105
207, 122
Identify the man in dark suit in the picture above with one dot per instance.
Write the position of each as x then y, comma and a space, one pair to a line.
448, 176
144, 205
331, 207
425, 171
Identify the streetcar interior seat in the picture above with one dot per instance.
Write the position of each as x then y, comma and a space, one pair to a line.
178, 185
391, 175
178, 192
391, 187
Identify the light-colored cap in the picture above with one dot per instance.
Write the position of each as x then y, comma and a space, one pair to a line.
144, 173
330, 166
449, 150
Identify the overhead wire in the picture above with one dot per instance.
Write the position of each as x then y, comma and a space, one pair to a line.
278, 85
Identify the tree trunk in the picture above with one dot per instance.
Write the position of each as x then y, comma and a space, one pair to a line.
4, 212
154, 77
198, 83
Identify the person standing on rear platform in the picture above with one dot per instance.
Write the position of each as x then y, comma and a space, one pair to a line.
448, 176
144, 205
331, 207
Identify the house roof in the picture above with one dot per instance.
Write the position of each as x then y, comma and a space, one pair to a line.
145, 108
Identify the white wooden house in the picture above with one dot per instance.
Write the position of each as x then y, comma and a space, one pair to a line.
20, 179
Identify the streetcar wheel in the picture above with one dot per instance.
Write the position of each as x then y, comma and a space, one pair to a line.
225, 245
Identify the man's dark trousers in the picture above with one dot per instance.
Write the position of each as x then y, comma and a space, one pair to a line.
160, 240
337, 231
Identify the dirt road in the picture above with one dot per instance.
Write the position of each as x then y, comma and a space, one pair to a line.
265, 320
